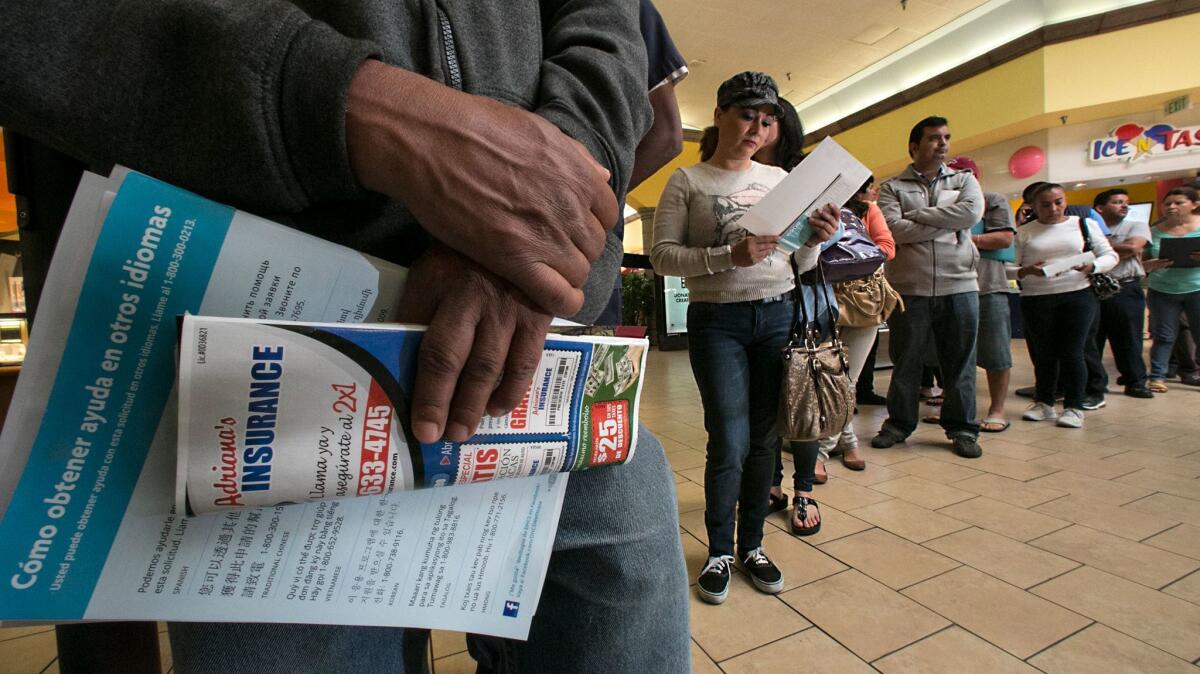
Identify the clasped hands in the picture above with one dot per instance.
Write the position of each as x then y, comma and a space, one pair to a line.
520, 211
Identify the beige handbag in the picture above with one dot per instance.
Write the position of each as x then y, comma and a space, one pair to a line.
866, 302
816, 399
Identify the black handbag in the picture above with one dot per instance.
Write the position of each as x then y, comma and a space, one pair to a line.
1103, 284
854, 256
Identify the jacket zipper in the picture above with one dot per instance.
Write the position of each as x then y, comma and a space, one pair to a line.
449, 52
933, 244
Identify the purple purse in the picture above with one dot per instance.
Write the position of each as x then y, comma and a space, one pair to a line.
854, 256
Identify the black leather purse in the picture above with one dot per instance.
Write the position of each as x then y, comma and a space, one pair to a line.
1103, 284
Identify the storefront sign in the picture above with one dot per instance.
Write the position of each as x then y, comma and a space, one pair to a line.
1133, 142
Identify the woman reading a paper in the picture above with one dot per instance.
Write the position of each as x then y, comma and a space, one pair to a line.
1057, 301
738, 321
1174, 288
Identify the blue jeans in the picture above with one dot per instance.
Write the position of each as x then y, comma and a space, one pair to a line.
951, 323
615, 598
1164, 326
735, 354
1059, 325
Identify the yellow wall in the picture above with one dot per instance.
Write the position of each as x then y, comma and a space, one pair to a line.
1145, 60
646, 194
994, 99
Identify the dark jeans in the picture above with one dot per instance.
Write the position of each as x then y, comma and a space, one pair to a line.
951, 322
1095, 377
804, 462
1122, 324
735, 354
1058, 326
866, 379
1095, 383
1183, 358
1165, 309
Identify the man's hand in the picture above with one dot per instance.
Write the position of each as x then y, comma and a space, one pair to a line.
752, 249
483, 345
824, 222
500, 185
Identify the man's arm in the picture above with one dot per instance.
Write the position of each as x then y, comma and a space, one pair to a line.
998, 230
241, 101
1135, 243
903, 229
962, 214
1130, 248
998, 240
593, 83
664, 140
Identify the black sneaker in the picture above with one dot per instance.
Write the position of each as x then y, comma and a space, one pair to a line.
713, 584
766, 576
967, 447
883, 440
1190, 379
1093, 402
871, 398
1138, 392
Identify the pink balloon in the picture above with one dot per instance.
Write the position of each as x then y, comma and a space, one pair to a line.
1026, 162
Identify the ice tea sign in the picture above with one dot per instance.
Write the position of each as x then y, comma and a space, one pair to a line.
1133, 142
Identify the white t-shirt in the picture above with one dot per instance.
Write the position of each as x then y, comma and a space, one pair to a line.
1039, 242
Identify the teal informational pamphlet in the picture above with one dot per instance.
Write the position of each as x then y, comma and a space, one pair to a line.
999, 254
88, 466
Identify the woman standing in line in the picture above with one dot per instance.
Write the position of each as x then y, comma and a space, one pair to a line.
784, 148
739, 319
1058, 310
858, 340
1172, 291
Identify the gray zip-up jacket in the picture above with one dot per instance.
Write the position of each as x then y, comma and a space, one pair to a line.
245, 102
931, 223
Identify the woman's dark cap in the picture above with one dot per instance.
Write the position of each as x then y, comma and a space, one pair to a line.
749, 90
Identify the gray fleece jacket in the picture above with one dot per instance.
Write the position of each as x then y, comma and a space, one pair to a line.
931, 223
244, 102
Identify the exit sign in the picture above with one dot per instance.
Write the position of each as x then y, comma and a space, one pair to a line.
1177, 105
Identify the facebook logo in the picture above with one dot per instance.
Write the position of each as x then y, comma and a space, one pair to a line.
511, 608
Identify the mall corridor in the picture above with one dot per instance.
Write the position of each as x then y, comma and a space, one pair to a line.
1059, 550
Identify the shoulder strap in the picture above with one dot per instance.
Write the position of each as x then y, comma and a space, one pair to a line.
1083, 231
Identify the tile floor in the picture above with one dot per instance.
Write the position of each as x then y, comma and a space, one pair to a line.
1058, 551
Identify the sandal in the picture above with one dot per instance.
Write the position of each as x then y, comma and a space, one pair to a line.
1157, 386
820, 476
802, 504
993, 425
775, 503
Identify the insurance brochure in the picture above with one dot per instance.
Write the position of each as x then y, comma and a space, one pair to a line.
89, 528
274, 413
